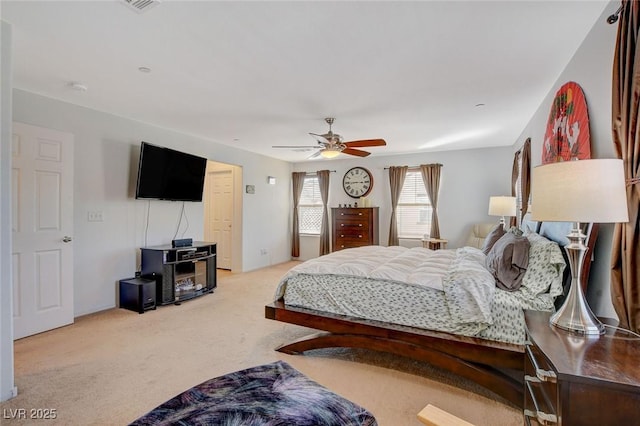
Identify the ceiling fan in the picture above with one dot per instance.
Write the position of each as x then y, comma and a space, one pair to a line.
330, 144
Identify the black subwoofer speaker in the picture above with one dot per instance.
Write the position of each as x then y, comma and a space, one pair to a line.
138, 294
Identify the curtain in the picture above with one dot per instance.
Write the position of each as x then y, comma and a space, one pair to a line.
298, 183
431, 178
625, 255
515, 171
396, 181
323, 182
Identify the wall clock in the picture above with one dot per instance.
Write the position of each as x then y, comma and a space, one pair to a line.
357, 182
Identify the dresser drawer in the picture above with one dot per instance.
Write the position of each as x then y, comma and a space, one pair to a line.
350, 243
351, 226
352, 237
353, 213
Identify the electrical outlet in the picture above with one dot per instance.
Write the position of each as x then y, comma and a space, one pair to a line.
263, 251
95, 216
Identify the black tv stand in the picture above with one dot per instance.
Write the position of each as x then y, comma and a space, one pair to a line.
180, 273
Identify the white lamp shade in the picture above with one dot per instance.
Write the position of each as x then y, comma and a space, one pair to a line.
502, 206
580, 191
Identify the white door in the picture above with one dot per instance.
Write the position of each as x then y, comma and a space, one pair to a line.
42, 222
220, 199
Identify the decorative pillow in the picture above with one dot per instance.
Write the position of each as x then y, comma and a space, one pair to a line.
492, 237
528, 225
546, 267
508, 260
516, 231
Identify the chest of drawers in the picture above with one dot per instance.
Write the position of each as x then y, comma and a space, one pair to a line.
354, 227
575, 380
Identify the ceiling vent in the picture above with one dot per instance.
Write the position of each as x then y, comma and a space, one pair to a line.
140, 5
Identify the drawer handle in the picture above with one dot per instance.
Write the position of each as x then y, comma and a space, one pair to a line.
359, 236
359, 214
342, 235
543, 418
360, 225
540, 416
531, 379
543, 375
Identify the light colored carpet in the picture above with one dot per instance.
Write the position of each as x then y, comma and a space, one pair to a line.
111, 367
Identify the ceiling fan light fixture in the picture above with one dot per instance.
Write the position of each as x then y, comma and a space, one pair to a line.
330, 153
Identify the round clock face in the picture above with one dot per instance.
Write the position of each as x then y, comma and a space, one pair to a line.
357, 182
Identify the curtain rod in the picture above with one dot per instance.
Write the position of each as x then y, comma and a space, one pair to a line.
315, 173
612, 19
415, 167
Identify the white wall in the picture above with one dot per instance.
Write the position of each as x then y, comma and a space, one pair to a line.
469, 178
591, 68
106, 159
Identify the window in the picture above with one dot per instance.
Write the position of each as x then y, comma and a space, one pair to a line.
310, 207
414, 207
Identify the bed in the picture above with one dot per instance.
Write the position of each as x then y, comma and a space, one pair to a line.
479, 345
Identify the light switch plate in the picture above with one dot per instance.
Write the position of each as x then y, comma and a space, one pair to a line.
95, 216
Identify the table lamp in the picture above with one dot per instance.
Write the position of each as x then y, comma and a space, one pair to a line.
502, 206
589, 191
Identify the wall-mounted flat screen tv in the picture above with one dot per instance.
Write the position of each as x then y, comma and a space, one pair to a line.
167, 174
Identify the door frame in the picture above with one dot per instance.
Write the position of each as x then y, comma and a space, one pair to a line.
55, 158
236, 229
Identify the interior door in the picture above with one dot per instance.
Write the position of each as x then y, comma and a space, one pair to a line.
220, 198
42, 225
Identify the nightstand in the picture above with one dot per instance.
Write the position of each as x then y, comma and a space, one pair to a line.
434, 243
571, 379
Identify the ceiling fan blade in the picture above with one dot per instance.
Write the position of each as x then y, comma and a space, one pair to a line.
320, 138
356, 152
366, 142
314, 155
295, 146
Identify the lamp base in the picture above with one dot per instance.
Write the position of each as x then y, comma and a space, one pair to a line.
575, 315
572, 320
503, 223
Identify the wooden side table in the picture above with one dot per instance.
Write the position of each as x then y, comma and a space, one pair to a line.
434, 243
572, 379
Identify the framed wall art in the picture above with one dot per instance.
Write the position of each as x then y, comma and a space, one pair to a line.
567, 135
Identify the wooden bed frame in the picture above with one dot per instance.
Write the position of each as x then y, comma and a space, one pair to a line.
496, 366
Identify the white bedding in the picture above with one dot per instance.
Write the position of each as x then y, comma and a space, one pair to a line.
445, 290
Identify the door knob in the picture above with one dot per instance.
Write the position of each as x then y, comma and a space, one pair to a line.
66, 239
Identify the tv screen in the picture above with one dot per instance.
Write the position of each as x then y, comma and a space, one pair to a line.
167, 174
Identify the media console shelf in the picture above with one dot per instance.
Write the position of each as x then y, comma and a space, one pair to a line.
180, 273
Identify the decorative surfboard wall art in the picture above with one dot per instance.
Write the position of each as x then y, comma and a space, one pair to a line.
567, 135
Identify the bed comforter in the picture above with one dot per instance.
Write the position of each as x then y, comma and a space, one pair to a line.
445, 290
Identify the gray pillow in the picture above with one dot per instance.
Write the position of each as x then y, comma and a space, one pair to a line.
491, 238
508, 261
